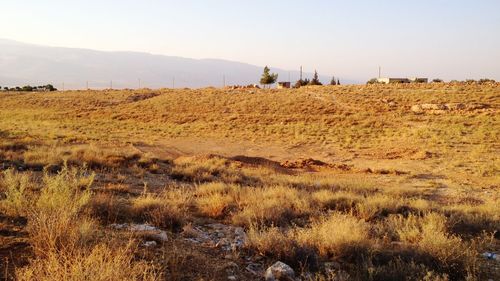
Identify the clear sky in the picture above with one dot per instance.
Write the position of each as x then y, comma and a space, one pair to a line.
449, 39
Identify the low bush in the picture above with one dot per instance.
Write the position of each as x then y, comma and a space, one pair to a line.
428, 236
56, 220
63, 237
210, 169
336, 235
277, 205
168, 209
216, 199
97, 263
279, 244
15, 188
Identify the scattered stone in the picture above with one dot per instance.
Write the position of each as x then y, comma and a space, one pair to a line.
332, 269
141, 96
162, 236
150, 244
389, 102
422, 155
432, 106
332, 266
279, 272
239, 231
226, 237
491, 256
194, 241
143, 229
456, 106
306, 276
340, 275
250, 86
254, 268
232, 265
232, 277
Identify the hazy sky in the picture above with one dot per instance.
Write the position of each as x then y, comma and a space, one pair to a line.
450, 39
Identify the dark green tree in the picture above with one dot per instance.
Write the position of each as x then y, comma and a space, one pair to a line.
50, 88
315, 81
267, 77
486, 80
302, 82
27, 88
333, 81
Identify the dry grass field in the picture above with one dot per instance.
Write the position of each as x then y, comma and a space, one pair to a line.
376, 182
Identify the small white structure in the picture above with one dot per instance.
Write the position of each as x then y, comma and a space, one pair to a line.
419, 80
393, 80
402, 80
284, 85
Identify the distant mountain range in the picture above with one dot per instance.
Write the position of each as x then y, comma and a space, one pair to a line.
23, 64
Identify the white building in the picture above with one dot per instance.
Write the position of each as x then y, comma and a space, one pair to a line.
402, 80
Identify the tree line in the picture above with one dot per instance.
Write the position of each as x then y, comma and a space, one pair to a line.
28, 88
269, 78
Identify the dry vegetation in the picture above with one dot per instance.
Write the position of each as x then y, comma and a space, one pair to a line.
397, 195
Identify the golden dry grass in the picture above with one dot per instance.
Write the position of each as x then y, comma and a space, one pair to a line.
167, 210
64, 239
99, 263
417, 198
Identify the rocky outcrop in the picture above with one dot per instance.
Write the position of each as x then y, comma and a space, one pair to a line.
313, 164
435, 108
146, 230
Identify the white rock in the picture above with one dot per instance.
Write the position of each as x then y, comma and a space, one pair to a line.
118, 226
162, 236
150, 244
491, 256
279, 271
142, 227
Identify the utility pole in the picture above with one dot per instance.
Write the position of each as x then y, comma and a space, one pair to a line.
111, 85
139, 82
173, 82
301, 73
63, 86
289, 80
223, 80
87, 85
379, 72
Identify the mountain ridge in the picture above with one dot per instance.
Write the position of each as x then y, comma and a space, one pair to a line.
25, 63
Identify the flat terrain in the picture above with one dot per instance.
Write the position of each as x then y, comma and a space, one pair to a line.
376, 182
